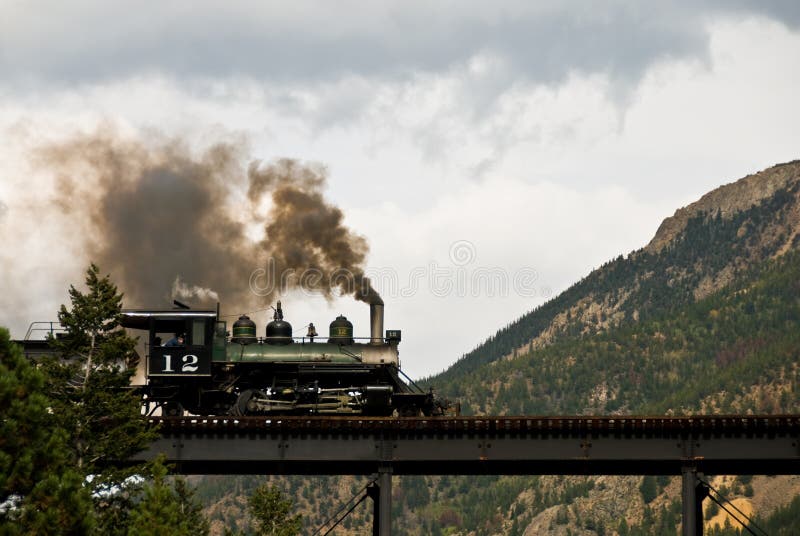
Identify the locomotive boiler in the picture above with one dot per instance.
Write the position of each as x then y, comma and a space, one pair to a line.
211, 371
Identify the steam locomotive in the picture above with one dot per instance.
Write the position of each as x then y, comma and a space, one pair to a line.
209, 371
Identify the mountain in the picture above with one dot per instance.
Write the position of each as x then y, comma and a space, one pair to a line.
720, 257
703, 319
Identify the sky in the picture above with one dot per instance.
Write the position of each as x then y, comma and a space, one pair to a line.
491, 154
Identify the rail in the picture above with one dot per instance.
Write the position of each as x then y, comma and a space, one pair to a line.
637, 425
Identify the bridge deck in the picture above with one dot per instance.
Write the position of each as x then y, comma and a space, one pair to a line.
715, 444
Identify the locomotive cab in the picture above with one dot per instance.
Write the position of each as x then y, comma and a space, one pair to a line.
191, 358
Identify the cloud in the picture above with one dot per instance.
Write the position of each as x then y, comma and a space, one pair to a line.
786, 11
552, 175
321, 42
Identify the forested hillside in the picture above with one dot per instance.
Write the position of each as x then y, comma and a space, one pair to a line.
712, 249
733, 351
704, 319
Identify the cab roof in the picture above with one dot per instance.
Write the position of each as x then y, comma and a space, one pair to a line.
140, 318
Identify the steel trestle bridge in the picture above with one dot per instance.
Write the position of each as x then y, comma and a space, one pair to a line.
570, 445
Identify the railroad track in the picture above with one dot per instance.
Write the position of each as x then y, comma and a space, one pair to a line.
561, 425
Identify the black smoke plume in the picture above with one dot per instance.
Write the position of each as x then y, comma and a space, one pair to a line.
170, 223
303, 231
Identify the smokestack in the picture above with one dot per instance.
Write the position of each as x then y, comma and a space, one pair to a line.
376, 321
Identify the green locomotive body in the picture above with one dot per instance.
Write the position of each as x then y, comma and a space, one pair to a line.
208, 372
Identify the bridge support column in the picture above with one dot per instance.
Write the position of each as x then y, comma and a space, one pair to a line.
374, 493
385, 483
381, 495
694, 492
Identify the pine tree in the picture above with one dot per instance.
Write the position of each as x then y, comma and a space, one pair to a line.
191, 510
273, 513
166, 510
39, 492
91, 399
648, 489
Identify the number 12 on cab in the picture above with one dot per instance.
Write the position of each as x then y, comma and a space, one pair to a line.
179, 361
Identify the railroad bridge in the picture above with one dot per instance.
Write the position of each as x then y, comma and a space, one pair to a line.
570, 445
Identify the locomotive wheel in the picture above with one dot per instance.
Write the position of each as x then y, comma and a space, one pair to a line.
240, 408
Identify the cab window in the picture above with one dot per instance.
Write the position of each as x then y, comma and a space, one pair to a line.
198, 332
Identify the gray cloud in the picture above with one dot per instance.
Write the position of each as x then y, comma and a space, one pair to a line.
786, 11
321, 42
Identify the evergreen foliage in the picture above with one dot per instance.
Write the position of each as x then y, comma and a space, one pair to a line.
191, 510
648, 489
65, 423
39, 491
89, 381
91, 400
166, 510
273, 513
